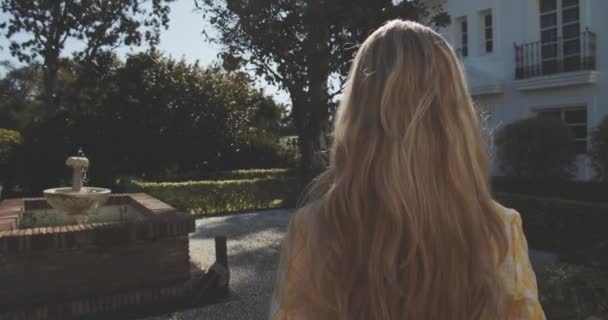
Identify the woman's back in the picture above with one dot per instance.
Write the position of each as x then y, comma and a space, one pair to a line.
402, 224
518, 278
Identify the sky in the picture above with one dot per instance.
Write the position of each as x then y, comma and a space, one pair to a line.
183, 39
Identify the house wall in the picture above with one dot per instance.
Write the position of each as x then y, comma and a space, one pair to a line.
516, 22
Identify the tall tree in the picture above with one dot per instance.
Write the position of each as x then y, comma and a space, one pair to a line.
299, 45
100, 24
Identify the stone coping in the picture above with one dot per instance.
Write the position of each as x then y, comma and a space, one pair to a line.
160, 221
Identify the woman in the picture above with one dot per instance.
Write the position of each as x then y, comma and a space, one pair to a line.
402, 225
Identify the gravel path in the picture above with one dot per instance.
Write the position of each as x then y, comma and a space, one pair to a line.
253, 244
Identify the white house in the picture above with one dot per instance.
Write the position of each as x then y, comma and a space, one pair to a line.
529, 57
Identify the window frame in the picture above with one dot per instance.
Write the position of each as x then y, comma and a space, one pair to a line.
557, 44
463, 36
562, 112
484, 14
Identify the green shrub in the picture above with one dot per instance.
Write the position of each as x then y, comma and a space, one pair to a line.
253, 174
576, 230
260, 153
222, 196
573, 292
537, 149
9, 141
226, 175
599, 150
589, 191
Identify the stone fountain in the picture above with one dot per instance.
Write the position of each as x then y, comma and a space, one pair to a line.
83, 252
77, 200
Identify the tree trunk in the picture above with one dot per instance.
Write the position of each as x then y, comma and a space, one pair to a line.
52, 48
50, 71
313, 113
301, 120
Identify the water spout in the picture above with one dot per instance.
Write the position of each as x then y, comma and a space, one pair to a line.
78, 164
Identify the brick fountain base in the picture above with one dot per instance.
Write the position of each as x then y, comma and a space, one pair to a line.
91, 269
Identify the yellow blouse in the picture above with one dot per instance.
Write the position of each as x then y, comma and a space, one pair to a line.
517, 270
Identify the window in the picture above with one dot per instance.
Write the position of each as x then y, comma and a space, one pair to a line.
576, 119
560, 35
487, 31
464, 36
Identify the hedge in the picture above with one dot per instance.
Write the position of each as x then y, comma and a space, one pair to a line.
578, 231
588, 191
573, 292
599, 149
227, 175
540, 148
252, 174
222, 196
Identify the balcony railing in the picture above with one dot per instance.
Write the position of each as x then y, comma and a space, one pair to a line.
557, 55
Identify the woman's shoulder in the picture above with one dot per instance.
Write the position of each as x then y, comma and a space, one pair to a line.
305, 214
508, 215
301, 220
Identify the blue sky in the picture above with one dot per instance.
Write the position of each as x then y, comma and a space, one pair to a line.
183, 39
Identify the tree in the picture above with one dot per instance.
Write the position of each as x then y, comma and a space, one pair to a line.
300, 45
18, 102
100, 24
147, 116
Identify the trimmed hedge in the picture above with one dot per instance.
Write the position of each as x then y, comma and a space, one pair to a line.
573, 292
578, 231
588, 191
252, 174
227, 175
222, 196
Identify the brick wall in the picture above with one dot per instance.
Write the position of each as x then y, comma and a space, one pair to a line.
93, 262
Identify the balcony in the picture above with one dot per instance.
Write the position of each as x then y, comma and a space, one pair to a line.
556, 62
535, 59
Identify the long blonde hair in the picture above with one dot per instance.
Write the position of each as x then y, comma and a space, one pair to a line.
402, 224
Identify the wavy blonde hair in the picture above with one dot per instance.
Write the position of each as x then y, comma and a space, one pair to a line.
402, 224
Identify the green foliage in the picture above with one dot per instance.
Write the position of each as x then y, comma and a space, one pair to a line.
38, 31
101, 24
227, 175
576, 230
586, 191
19, 104
253, 174
573, 292
536, 149
599, 150
149, 116
9, 141
190, 118
222, 196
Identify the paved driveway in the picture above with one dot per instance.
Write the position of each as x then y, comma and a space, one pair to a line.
253, 244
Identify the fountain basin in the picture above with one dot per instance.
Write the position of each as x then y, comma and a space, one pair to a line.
68, 270
76, 202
